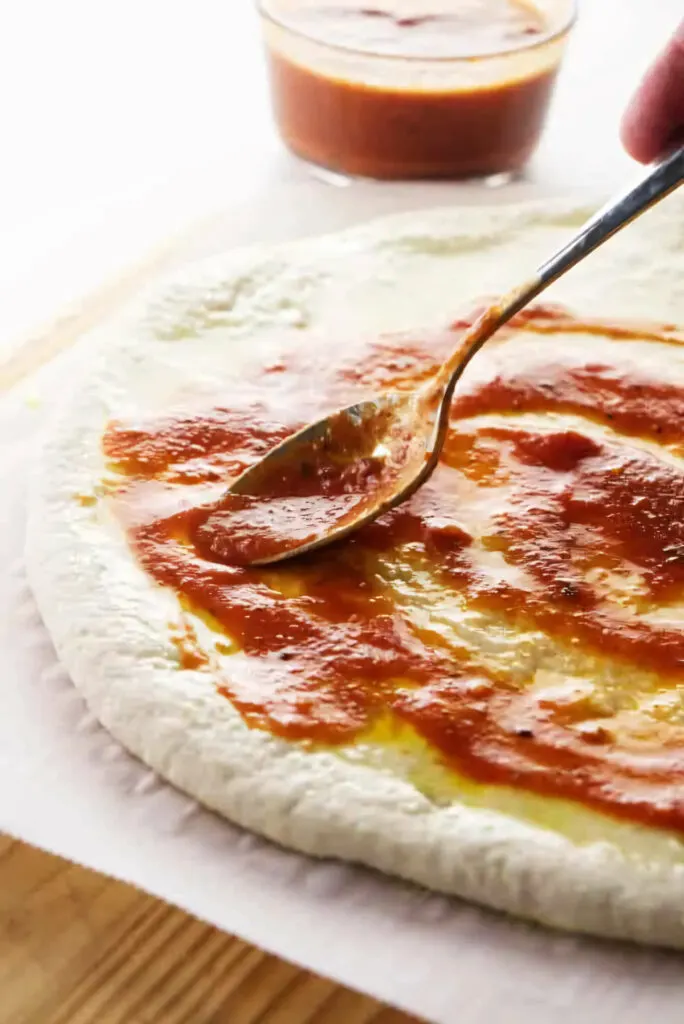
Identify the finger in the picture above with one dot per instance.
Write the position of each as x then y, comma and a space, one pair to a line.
655, 116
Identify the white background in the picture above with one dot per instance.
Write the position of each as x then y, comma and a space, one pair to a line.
121, 120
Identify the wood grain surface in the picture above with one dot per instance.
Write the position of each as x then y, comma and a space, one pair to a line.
79, 948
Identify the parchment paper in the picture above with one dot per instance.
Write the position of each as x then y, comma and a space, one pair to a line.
67, 787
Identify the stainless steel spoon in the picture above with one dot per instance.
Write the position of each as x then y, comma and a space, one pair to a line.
384, 449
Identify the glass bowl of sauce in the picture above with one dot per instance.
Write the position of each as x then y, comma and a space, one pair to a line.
414, 89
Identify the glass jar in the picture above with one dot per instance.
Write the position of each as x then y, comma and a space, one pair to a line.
459, 90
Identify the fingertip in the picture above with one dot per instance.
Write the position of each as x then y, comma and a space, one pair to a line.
636, 136
655, 115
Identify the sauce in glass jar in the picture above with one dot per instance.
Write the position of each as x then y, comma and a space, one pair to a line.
459, 90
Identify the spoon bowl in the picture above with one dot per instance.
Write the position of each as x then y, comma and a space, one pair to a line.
325, 481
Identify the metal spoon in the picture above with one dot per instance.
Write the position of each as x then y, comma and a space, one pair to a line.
377, 453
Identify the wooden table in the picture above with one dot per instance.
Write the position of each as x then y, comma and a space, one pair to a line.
79, 948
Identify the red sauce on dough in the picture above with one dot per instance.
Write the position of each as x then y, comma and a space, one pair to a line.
327, 649
371, 115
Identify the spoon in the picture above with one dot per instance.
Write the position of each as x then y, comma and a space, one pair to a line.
342, 472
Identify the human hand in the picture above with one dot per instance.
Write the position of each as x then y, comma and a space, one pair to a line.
654, 118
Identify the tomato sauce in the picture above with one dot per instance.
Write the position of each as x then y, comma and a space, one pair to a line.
325, 648
370, 117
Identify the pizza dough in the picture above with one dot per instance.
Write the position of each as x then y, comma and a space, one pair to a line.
397, 810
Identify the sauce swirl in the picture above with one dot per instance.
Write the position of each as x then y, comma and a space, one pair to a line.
569, 528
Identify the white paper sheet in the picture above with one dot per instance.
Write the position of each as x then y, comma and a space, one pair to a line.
67, 787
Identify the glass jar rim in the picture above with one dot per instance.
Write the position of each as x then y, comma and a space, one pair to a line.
520, 47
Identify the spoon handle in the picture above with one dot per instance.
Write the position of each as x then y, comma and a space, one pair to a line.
658, 181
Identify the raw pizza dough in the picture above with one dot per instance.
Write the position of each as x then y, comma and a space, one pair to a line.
545, 859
